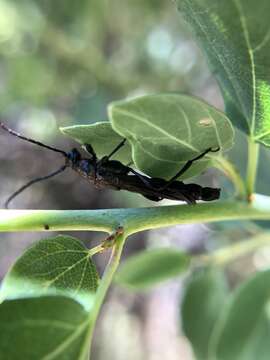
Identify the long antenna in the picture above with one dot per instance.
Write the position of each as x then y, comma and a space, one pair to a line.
21, 189
14, 133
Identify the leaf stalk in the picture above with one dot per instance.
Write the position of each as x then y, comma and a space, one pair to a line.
105, 283
253, 159
232, 173
224, 256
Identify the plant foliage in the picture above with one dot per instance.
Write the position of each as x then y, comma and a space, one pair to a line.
53, 294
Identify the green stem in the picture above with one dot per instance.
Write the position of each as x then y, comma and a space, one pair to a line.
232, 173
228, 254
105, 284
133, 220
95, 250
56, 220
253, 158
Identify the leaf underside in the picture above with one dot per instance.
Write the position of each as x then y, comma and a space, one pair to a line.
102, 138
236, 39
167, 130
164, 131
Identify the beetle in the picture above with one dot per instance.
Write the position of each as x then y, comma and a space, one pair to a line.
112, 174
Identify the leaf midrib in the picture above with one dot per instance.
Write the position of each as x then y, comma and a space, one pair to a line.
227, 71
146, 122
242, 18
65, 343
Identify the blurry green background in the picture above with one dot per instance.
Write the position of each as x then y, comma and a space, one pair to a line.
61, 63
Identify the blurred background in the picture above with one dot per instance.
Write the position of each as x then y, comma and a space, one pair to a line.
61, 63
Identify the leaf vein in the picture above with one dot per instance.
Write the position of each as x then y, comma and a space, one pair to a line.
162, 131
223, 64
65, 344
251, 58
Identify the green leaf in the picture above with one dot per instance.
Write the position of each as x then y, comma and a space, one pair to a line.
235, 37
57, 265
43, 328
167, 130
202, 304
243, 330
102, 138
151, 267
